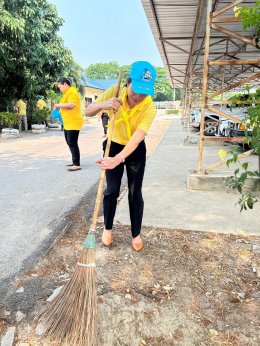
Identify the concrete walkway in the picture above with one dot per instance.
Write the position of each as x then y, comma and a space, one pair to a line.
168, 202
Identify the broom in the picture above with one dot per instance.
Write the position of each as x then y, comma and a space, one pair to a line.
71, 317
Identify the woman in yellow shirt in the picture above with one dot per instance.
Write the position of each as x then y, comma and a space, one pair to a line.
135, 112
69, 107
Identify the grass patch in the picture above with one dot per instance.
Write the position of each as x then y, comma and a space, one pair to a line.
172, 111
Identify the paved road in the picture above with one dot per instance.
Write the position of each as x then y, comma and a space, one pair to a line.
37, 192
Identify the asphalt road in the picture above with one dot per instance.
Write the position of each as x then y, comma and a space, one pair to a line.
38, 194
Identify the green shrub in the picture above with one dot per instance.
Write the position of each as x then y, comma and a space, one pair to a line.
172, 111
8, 119
39, 115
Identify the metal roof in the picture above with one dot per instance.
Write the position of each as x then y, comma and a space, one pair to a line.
179, 28
101, 84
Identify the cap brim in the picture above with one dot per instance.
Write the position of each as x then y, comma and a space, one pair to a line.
144, 88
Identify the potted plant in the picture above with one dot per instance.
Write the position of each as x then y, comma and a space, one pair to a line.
9, 120
37, 119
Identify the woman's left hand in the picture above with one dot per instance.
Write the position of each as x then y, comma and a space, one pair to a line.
109, 162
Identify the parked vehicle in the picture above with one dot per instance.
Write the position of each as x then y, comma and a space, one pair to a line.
221, 126
229, 128
211, 121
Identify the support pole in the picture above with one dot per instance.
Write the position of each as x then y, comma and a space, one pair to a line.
205, 84
189, 102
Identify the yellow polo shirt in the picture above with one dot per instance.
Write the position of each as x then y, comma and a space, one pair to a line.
41, 104
72, 118
128, 119
21, 105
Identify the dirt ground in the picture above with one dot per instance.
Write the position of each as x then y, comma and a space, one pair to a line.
184, 288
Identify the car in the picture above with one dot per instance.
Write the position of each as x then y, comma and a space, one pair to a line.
211, 121
230, 128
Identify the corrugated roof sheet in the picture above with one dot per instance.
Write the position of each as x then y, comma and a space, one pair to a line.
173, 24
101, 84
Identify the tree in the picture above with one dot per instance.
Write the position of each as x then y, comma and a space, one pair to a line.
108, 70
163, 90
32, 55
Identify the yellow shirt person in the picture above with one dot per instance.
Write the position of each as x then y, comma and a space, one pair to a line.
21, 105
134, 113
128, 120
41, 104
72, 118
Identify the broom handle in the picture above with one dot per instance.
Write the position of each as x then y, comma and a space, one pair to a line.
103, 172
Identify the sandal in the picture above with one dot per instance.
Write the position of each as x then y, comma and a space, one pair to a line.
74, 168
70, 165
107, 238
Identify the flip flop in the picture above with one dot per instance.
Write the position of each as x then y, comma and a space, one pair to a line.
73, 169
70, 165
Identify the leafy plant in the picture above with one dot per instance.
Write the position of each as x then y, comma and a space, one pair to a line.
250, 17
39, 115
252, 138
238, 182
8, 119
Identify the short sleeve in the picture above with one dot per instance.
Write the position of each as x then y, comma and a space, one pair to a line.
73, 98
107, 94
147, 118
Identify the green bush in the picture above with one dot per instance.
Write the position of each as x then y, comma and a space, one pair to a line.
172, 111
8, 119
39, 115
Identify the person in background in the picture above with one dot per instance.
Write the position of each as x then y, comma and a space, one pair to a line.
104, 118
135, 112
41, 104
21, 106
72, 118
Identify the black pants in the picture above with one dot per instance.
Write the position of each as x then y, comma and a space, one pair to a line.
105, 123
71, 137
135, 166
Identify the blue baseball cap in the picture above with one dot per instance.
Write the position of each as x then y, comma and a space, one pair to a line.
143, 77
38, 97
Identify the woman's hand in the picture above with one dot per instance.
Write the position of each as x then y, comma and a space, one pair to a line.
56, 106
114, 103
109, 162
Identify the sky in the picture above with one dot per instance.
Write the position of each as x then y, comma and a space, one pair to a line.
107, 30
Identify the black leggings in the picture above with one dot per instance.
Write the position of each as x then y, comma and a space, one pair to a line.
71, 137
135, 166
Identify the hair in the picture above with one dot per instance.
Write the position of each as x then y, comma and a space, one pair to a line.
128, 81
63, 80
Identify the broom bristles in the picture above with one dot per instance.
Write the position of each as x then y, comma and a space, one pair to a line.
71, 317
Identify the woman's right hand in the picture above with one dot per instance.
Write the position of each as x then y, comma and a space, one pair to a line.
114, 103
